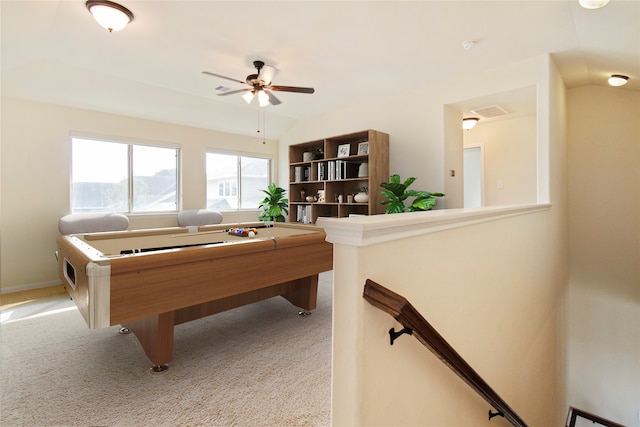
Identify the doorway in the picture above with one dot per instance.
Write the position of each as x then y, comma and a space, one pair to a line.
473, 164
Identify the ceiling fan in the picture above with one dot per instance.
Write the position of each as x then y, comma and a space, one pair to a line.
260, 85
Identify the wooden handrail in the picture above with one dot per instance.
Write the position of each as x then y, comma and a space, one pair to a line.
574, 413
398, 307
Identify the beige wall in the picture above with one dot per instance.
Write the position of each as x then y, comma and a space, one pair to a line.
35, 167
509, 157
495, 290
604, 294
425, 136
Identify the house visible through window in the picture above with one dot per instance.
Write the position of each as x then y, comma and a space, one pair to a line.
234, 181
121, 177
227, 189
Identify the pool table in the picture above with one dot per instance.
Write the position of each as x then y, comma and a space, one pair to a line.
150, 280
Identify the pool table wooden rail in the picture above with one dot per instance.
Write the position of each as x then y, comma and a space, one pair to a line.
193, 276
151, 292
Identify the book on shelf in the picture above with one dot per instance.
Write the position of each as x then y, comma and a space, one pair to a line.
302, 173
322, 171
341, 169
346, 169
304, 214
331, 173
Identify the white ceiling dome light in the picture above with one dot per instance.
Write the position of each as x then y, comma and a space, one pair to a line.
110, 15
593, 4
469, 123
618, 80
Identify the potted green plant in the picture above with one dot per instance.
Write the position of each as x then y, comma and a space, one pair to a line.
274, 205
397, 192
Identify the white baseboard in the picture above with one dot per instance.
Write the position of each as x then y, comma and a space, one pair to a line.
28, 286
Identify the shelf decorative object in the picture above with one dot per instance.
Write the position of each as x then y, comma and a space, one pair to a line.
341, 166
363, 170
344, 150
361, 198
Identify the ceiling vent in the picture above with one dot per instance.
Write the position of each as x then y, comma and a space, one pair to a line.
490, 111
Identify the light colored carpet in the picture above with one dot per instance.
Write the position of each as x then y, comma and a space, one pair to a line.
258, 365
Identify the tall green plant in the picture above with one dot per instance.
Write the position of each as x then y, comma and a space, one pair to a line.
397, 192
274, 205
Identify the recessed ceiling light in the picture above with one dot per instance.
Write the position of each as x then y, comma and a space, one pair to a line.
593, 4
618, 80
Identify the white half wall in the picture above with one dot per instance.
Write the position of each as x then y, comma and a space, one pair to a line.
490, 285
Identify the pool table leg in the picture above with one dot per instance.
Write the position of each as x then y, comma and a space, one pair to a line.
305, 293
155, 334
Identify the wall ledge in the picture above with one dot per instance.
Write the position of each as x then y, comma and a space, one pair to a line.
376, 229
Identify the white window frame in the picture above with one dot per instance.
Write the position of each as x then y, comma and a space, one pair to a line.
238, 155
130, 194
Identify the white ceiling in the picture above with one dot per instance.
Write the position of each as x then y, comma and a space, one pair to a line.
350, 52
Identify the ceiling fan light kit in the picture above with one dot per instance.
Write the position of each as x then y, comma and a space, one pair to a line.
260, 85
248, 97
263, 98
109, 15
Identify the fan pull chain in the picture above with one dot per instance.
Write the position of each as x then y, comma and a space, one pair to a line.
263, 123
258, 131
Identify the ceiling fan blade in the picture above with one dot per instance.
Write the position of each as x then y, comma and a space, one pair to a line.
266, 75
272, 99
224, 77
231, 92
293, 89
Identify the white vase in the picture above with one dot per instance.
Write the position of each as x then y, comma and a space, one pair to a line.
363, 170
361, 198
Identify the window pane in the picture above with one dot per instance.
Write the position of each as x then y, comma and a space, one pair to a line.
226, 190
222, 178
254, 177
99, 172
155, 179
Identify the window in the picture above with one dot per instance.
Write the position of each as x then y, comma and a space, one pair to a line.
234, 181
121, 177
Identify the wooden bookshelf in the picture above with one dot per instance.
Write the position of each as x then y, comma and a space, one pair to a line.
335, 166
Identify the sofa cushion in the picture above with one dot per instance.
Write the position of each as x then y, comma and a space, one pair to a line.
92, 222
198, 217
